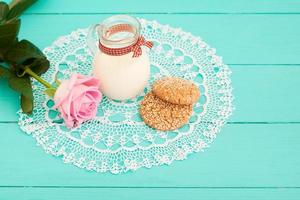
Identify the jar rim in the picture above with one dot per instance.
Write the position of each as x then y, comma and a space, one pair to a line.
114, 20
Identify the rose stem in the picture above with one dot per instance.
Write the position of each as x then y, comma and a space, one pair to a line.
38, 78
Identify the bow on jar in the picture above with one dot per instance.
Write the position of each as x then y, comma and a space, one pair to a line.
136, 48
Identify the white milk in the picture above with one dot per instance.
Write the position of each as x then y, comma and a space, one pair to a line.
121, 77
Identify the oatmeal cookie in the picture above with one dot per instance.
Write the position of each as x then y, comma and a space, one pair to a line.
176, 90
163, 115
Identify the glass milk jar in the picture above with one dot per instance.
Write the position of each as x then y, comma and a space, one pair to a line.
121, 61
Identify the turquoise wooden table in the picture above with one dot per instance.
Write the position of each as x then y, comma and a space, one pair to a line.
256, 155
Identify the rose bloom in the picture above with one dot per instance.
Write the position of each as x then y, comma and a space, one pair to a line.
77, 99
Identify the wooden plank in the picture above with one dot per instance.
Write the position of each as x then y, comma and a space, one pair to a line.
240, 39
168, 6
148, 194
242, 156
262, 94
266, 94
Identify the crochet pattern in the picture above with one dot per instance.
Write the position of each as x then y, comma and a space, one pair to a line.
117, 140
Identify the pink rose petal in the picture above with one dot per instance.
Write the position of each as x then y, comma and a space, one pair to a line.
77, 99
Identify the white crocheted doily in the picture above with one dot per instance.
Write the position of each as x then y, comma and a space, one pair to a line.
117, 140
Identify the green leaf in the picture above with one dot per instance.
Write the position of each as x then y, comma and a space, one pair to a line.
17, 7
21, 85
9, 33
8, 36
22, 51
50, 92
3, 11
26, 104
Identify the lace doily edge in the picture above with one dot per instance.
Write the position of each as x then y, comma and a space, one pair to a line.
134, 166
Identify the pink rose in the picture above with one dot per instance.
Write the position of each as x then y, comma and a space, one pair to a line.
77, 99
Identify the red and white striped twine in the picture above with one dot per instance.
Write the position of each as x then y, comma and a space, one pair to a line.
135, 48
